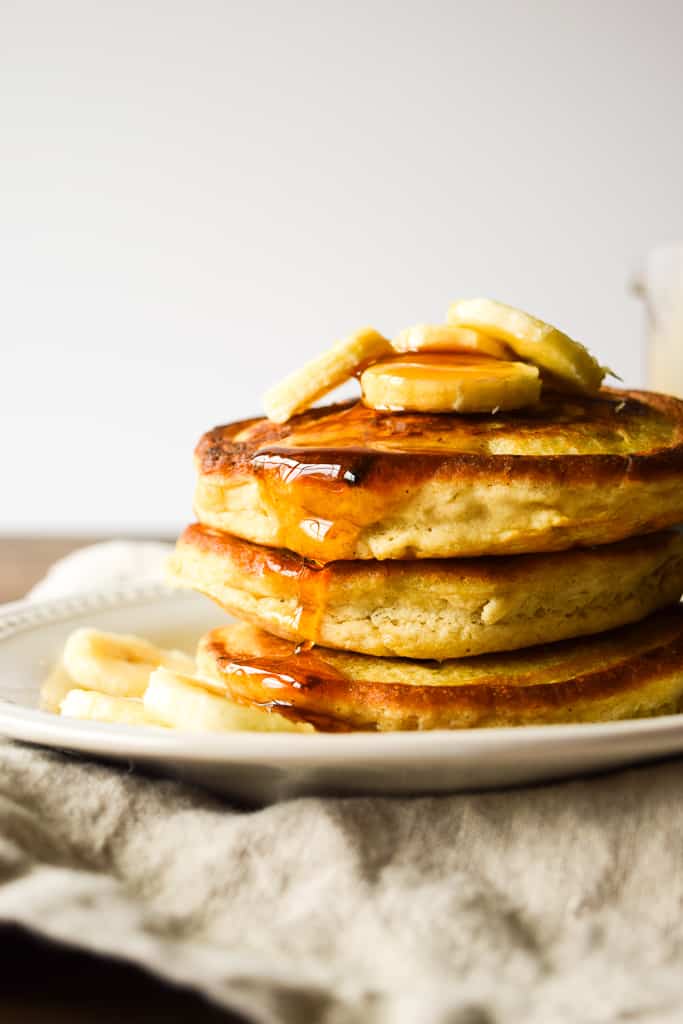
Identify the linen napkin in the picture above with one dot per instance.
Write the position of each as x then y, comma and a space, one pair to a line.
558, 903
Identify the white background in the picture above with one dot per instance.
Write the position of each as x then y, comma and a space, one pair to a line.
195, 197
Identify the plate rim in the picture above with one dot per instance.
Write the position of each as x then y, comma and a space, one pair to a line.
31, 725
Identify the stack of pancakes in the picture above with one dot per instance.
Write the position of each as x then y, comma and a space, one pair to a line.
418, 571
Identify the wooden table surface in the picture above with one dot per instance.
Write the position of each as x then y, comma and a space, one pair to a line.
45, 984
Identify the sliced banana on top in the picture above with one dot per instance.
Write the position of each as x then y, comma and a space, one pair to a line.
449, 338
115, 664
429, 382
305, 386
532, 339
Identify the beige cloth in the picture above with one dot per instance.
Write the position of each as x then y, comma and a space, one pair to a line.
552, 904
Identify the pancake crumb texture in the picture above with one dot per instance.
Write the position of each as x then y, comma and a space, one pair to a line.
346, 482
632, 672
439, 609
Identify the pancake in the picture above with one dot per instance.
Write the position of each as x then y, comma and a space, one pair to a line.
437, 608
348, 482
633, 672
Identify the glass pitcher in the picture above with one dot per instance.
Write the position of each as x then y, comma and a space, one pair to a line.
661, 287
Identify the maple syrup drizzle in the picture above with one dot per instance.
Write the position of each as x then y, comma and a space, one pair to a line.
315, 482
311, 585
251, 680
435, 365
329, 477
312, 589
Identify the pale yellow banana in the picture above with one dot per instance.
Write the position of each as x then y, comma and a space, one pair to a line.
437, 383
115, 664
305, 386
195, 705
449, 338
55, 689
100, 707
533, 340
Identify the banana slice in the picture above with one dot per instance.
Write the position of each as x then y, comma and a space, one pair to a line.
100, 707
532, 339
115, 664
305, 386
448, 338
196, 705
55, 689
457, 383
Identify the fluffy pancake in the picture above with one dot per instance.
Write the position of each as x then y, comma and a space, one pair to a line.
636, 671
436, 608
348, 482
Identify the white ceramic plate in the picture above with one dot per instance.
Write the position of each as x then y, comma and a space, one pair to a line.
262, 767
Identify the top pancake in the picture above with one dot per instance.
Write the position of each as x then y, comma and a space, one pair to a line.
345, 481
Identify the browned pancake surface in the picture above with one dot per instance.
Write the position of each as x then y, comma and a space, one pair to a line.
631, 672
434, 608
350, 482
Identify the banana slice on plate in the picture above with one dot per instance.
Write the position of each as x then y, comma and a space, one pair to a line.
456, 383
305, 386
115, 664
532, 339
449, 338
196, 705
55, 689
100, 707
